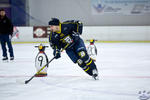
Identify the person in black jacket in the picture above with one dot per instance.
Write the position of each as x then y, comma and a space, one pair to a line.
6, 31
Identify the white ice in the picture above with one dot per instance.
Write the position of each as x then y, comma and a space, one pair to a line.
124, 70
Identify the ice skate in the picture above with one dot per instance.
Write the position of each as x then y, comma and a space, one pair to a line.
11, 58
95, 74
5, 58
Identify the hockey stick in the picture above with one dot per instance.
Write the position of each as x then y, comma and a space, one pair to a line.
27, 81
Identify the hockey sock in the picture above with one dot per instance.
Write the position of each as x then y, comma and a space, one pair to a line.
90, 66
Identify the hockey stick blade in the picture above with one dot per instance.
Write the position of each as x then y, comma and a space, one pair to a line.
27, 81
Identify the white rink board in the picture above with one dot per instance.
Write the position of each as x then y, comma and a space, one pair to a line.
101, 33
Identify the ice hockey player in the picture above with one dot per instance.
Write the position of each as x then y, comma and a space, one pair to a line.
66, 36
92, 50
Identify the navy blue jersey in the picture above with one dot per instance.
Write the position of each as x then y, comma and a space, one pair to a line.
66, 37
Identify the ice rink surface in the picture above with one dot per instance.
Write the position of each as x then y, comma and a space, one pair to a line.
124, 70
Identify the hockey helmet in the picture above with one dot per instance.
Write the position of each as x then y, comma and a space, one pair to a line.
54, 21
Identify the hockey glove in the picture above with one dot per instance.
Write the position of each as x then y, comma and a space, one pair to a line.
57, 53
75, 36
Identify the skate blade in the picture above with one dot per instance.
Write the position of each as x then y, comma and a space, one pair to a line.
95, 77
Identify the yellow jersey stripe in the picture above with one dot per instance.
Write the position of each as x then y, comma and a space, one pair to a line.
89, 62
87, 69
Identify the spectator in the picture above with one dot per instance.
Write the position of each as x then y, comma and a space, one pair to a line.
6, 31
